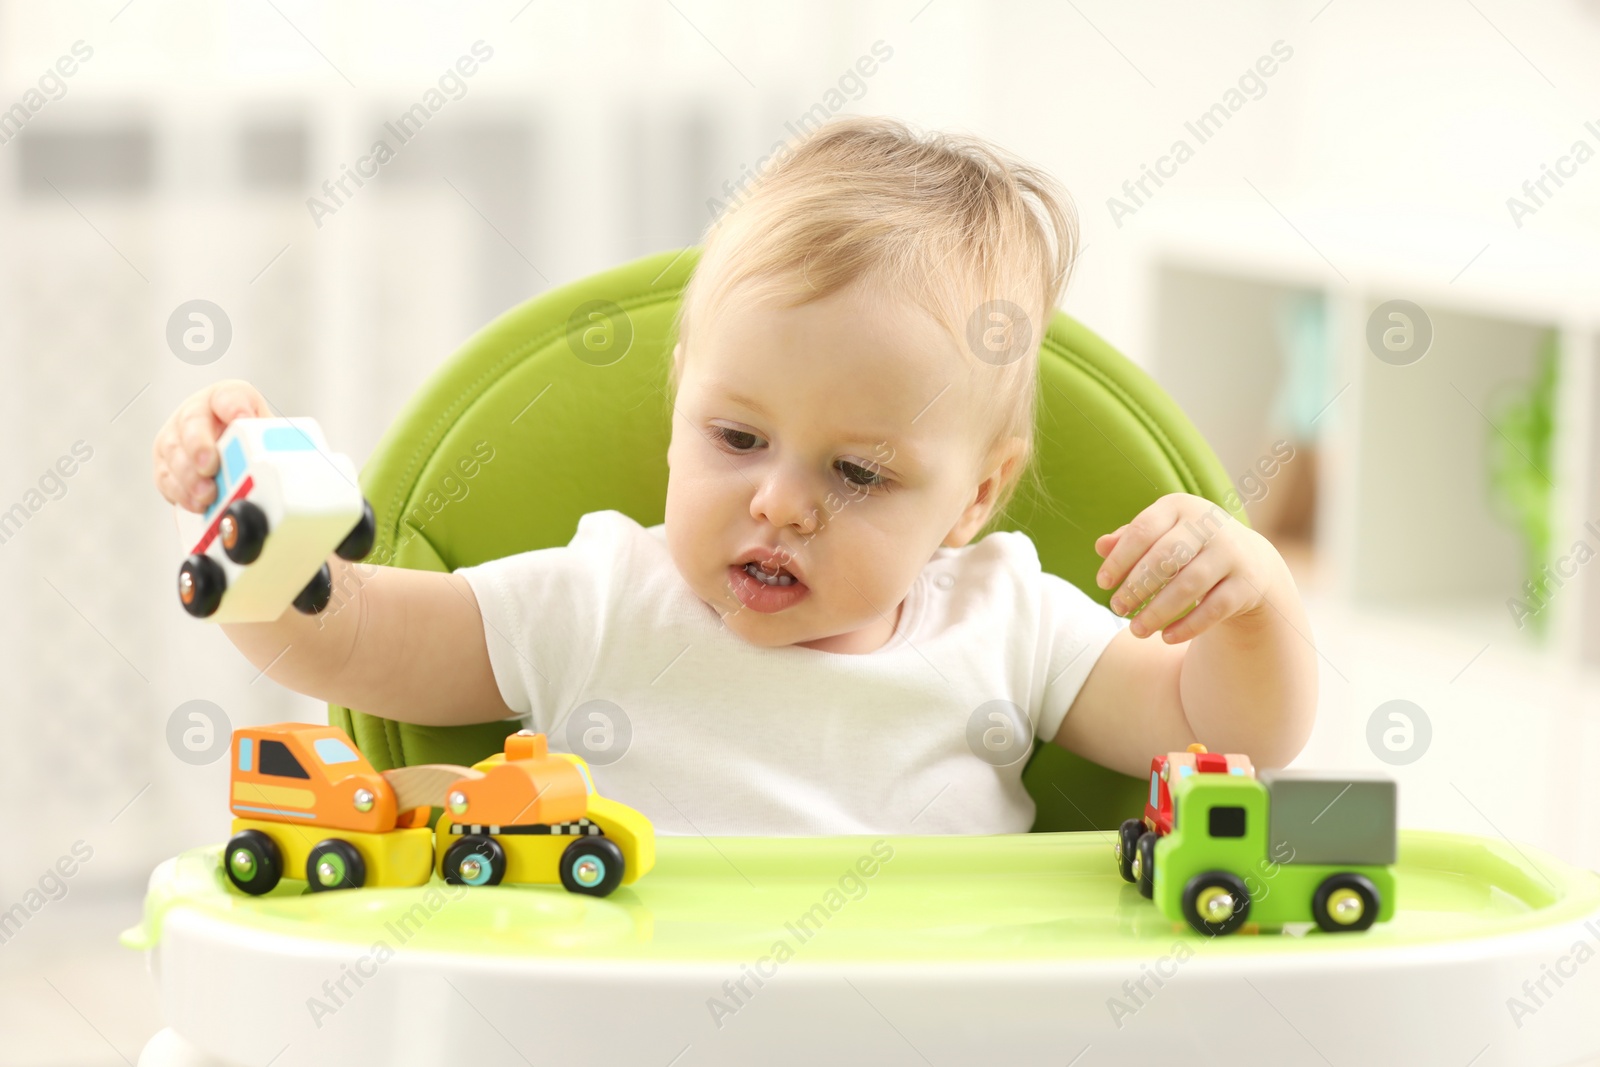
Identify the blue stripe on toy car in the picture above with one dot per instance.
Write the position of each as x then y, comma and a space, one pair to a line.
286, 439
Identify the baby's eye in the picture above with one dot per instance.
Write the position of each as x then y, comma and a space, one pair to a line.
735, 440
860, 476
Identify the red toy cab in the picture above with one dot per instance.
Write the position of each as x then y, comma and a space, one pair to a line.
1136, 839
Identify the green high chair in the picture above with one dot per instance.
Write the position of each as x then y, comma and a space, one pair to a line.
559, 407
988, 948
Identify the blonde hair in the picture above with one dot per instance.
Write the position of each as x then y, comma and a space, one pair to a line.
949, 222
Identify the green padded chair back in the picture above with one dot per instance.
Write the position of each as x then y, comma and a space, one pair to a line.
559, 408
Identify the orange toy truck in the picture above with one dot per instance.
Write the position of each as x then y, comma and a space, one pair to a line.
1136, 839
308, 804
530, 815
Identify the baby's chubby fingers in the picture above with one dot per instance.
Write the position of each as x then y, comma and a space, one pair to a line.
1134, 539
1160, 564
1106, 542
236, 399
180, 468
1178, 580
1225, 599
168, 485
1199, 569
180, 450
168, 482
185, 450
197, 433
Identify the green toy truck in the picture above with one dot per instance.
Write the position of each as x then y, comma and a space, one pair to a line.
1285, 847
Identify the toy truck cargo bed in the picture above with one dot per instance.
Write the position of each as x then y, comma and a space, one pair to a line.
1302, 821
1034, 936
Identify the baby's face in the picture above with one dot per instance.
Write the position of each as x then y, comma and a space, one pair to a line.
819, 455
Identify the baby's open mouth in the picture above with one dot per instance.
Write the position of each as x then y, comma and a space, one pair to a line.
764, 576
766, 585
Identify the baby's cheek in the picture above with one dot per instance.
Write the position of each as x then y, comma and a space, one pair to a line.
881, 574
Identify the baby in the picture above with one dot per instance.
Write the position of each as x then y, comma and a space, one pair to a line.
813, 642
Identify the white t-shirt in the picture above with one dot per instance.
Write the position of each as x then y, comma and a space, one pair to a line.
603, 646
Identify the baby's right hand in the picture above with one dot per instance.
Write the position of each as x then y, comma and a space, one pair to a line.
185, 450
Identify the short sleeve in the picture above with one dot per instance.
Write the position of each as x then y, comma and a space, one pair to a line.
1074, 630
543, 614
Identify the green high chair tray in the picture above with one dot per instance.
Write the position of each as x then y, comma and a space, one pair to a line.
952, 950
963, 950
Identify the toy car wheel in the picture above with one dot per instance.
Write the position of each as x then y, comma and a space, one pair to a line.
253, 862
358, 542
1345, 902
1128, 847
475, 860
201, 583
335, 864
1144, 864
1216, 903
242, 531
315, 596
592, 865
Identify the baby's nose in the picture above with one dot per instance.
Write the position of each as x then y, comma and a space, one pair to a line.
805, 521
783, 501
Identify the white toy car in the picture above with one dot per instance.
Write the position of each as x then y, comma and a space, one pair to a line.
283, 503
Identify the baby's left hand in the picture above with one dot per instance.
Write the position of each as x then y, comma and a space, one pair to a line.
1179, 550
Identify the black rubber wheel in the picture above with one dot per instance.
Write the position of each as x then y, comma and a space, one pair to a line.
318, 591
252, 862
474, 860
358, 542
242, 531
335, 864
592, 865
1145, 860
1345, 903
1128, 846
1216, 903
201, 584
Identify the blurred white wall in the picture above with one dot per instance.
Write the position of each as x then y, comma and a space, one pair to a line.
175, 164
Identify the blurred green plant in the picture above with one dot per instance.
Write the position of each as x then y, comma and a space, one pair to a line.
1521, 483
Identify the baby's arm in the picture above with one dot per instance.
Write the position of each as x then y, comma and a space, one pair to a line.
1238, 673
403, 644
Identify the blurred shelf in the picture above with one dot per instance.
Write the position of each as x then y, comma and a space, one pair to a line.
1406, 517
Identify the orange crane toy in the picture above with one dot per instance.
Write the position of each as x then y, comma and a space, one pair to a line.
532, 815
